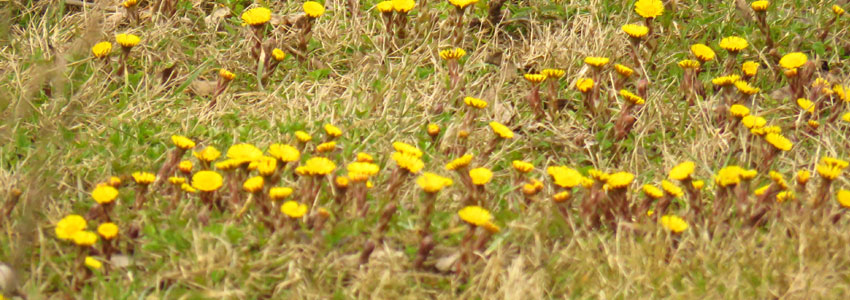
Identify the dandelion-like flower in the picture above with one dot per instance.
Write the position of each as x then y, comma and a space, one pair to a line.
596, 61
127, 40
584, 84
745, 88
671, 189
760, 6
620, 180
332, 130
623, 70
561, 197
565, 177
843, 198
460, 162
475, 215
455, 53
313, 9
793, 60
631, 97
702, 52
480, 176
830, 168
501, 130
384, 6
84, 238
207, 181
257, 16
750, 68
432, 183
806, 105
104, 194
779, 141
522, 167
652, 191
143, 178
92, 263
253, 184
403, 6
837, 10
674, 224
108, 230
635, 30
682, 171
753, 121
303, 136
209, 154
293, 209
244, 153
279, 193
475, 102
408, 162
689, 64
182, 142
278, 54
364, 157
407, 149
69, 225
226, 75
101, 49
534, 78
725, 80
649, 8
739, 111
461, 4
733, 44
326, 147
553, 73
284, 153
318, 166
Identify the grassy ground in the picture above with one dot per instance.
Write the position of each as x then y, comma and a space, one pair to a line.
69, 123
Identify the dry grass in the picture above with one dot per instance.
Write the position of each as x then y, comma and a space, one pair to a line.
65, 125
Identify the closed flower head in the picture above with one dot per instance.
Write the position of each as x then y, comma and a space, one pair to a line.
475, 102
454, 53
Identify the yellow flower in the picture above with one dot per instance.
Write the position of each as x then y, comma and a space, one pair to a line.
634, 99
462, 134
84, 238
698, 184
93, 263
596, 61
266, 165
839, 90
257, 16
748, 174
332, 130
813, 123
480, 176
432, 183
206, 181
127, 40
433, 129
403, 6
620, 180
673, 223
830, 168
253, 184
649, 8
702, 52
143, 178
534, 78
475, 102
475, 215
652, 191
129, 3
303, 136
69, 225
688, 64
806, 105
318, 166
278, 54
188, 188
750, 68
104, 194
745, 88
454, 53
565, 177
226, 75
561, 197
739, 111
101, 49
553, 73
725, 80
293, 209
785, 196
793, 60
751, 121
461, 4
284, 153
341, 182
114, 181
385, 6
364, 157
762, 190
185, 166
803, 176
598, 175
408, 162
361, 171
623, 70
501, 130
244, 153
407, 149
176, 180
837, 10
313, 9
843, 198
760, 6
522, 167
279, 193
460, 162
584, 84
778, 141
733, 44
729, 175
108, 230
533, 187
682, 171
846, 117
671, 189
635, 30
209, 154
326, 147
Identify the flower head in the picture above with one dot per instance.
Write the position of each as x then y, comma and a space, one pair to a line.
733, 44
107, 230
760, 6
454, 53
403, 6
84, 238
561, 197
480, 176
501, 130
752, 121
837, 10
433, 130
533, 187
631, 97
303, 136
674, 224
785, 196
793, 60
209, 154
408, 162
725, 80
143, 178
127, 40
188, 188
293, 209
313, 9
739, 111
750, 68
460, 162
830, 168
635, 30
226, 75
361, 171
702, 52
623, 70
649, 8
475, 102
729, 175
93, 263
284, 153
745, 88
385, 6
806, 105
698, 184
461, 4
522, 167
104, 194
803, 176
279, 193
534, 78
671, 189
176, 180
326, 147
332, 131
364, 157
257, 16
779, 141
69, 225
584, 84
553, 73
565, 177
689, 64
207, 181
101, 49
843, 198
407, 149
182, 142
278, 54
652, 191
432, 183
185, 166
129, 3
620, 180
244, 153
682, 171
475, 215
596, 61
317, 166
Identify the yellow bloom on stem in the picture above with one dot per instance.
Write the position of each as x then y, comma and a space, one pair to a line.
93, 263
671, 189
475, 102
385, 6
793, 60
803, 176
408, 162
407, 149
433, 130
313, 9
257, 16
364, 157
480, 176
843, 198
565, 177
454, 53
725, 80
403, 6
332, 130
682, 171
813, 124
652, 191
596, 61
114, 181
729, 175
635, 30
279, 193
533, 187
739, 111
303, 136
461, 4
101, 49
830, 168
318, 166
553, 73
69, 225
143, 178
127, 40
432, 183
207, 181
750, 68
522, 167
226, 75
104, 194
806, 105
702, 52
209, 154
326, 147
620, 180
598, 175
361, 171
266, 165
284, 153
649, 8
689, 64
623, 70
129, 3
460, 162
176, 180
745, 88
84, 238
293, 209
185, 166
534, 78
634, 99
733, 44
751, 121
584, 84
278, 54
785, 196
762, 190
760, 6
673, 223
253, 184
501, 130
244, 153
561, 197
698, 184
778, 141
475, 215
107, 230
341, 182
188, 188
837, 10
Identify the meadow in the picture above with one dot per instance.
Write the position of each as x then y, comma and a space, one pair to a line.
458, 149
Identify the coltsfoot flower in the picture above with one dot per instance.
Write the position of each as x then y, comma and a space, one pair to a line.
565, 177
475, 102
69, 225
143, 178
279, 193
596, 61
475, 215
313, 9
284, 153
108, 230
733, 44
207, 181
104, 194
522, 167
623, 70
631, 97
553, 73
760, 6
739, 111
293, 209
649, 8
750, 68
620, 180
432, 183
257, 16
403, 6
460, 162
635, 30
101, 49
682, 171
534, 78
454, 53
702, 52
652, 191
793, 60
127, 40
332, 130
501, 130
480, 176
584, 84
674, 224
